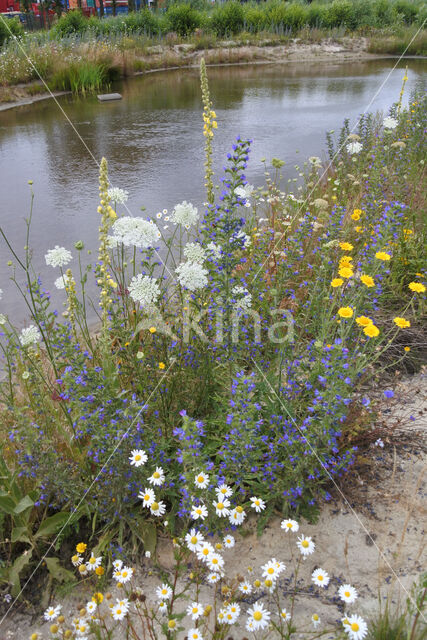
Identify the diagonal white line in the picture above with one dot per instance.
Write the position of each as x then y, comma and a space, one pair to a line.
353, 512
86, 492
52, 95
340, 148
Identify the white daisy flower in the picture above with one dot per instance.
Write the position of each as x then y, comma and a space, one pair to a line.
164, 592
76, 560
30, 335
315, 161
221, 507
193, 540
138, 457
285, 615
81, 627
58, 257
195, 610
354, 148
147, 496
315, 620
163, 607
213, 577
118, 612
194, 634
347, 593
320, 577
119, 196
305, 545
224, 491
259, 616
201, 480
124, 603
91, 607
199, 511
232, 612
390, 123
192, 276
185, 214
272, 569
93, 562
158, 477
144, 290
221, 616
290, 525
118, 564
245, 587
204, 551
136, 232
214, 561
52, 612
258, 504
159, 215
126, 574
229, 542
158, 508
237, 515
356, 627
194, 252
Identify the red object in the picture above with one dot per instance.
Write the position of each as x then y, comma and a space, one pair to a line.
8, 5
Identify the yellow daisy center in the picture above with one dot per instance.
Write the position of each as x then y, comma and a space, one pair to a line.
315, 616
220, 505
320, 578
137, 457
257, 615
347, 594
289, 525
156, 475
193, 540
270, 570
355, 626
304, 544
200, 479
239, 509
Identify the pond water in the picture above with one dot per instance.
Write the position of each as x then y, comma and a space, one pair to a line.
153, 142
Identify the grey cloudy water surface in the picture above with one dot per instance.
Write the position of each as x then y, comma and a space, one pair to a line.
154, 145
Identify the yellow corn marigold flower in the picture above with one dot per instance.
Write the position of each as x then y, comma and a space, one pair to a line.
346, 261
345, 312
81, 547
337, 282
97, 597
367, 281
363, 321
346, 272
346, 246
407, 349
356, 214
371, 331
401, 323
359, 229
416, 287
162, 365
382, 255
152, 329
99, 571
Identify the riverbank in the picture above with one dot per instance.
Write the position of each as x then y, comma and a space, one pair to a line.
165, 57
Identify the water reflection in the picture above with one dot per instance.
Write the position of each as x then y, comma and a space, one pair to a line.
152, 139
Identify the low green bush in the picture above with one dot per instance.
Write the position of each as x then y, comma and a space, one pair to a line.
71, 23
9, 28
228, 19
183, 19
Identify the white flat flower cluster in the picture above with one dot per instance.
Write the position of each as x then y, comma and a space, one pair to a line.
144, 290
58, 257
135, 232
119, 196
185, 214
192, 275
390, 123
354, 148
243, 298
30, 335
194, 252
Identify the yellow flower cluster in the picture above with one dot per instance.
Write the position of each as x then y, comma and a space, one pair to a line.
108, 215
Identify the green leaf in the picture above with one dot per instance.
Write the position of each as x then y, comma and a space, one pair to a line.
146, 532
59, 573
15, 570
24, 504
19, 534
53, 524
7, 503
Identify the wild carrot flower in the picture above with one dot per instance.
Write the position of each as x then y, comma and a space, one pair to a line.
390, 123
192, 276
185, 214
136, 232
30, 335
354, 148
58, 257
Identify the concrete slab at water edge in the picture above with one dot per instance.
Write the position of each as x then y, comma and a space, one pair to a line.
106, 97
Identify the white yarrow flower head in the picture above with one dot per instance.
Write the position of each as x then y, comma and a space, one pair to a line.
201, 480
194, 252
390, 123
258, 504
52, 612
58, 257
347, 593
320, 578
30, 335
194, 540
192, 276
245, 191
119, 196
164, 592
355, 626
315, 620
354, 148
144, 290
185, 214
305, 545
290, 525
157, 478
147, 496
136, 232
138, 457
258, 616
195, 610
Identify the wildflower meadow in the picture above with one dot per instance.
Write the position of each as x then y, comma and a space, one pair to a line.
223, 383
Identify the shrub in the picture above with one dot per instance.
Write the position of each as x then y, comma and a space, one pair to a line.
143, 21
183, 19
228, 19
406, 9
284, 17
9, 28
254, 19
340, 13
70, 23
